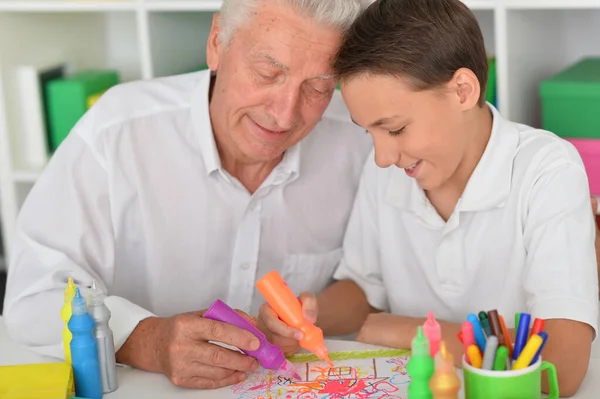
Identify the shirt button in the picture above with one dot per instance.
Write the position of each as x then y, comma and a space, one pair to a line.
245, 266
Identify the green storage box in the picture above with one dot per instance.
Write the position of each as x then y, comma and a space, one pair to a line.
571, 101
490, 91
68, 100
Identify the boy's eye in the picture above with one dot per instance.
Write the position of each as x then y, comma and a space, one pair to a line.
396, 132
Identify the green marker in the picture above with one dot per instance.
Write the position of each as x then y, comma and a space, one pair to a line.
501, 357
485, 323
517, 319
420, 368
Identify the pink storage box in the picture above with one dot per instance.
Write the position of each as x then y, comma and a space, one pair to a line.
589, 149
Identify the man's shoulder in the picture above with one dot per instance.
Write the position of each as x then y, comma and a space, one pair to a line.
140, 99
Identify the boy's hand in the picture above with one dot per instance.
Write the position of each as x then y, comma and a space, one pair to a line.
388, 330
281, 334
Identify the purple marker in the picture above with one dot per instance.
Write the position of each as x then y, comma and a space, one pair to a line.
270, 356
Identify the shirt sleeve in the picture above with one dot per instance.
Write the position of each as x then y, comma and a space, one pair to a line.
361, 259
561, 279
64, 230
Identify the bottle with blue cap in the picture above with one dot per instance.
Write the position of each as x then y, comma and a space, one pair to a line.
84, 350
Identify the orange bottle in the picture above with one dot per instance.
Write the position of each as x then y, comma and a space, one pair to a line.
289, 309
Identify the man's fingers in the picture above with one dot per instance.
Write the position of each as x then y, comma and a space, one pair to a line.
215, 355
275, 325
246, 316
310, 306
198, 382
211, 330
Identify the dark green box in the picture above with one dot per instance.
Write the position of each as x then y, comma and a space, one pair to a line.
68, 100
571, 101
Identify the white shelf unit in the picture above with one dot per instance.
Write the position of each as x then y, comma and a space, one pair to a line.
142, 39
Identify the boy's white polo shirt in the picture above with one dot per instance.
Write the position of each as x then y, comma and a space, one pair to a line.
521, 238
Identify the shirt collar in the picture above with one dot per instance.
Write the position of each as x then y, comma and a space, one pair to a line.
289, 165
489, 184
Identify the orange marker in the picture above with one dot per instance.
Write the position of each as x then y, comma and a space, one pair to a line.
474, 355
506, 337
538, 327
289, 309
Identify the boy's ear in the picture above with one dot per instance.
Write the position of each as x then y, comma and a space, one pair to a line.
466, 87
213, 46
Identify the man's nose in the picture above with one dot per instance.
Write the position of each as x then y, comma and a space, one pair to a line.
286, 108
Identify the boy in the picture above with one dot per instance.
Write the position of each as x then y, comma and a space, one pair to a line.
464, 210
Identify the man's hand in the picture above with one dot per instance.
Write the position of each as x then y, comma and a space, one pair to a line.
281, 334
178, 347
594, 212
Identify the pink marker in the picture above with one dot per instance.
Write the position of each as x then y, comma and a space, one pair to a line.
468, 337
433, 332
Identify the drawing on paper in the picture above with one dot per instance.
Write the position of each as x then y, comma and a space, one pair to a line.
377, 374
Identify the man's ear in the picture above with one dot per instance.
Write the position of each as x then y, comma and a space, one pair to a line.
214, 45
466, 88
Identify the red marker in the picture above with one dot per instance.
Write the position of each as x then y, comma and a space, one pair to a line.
468, 337
459, 336
538, 326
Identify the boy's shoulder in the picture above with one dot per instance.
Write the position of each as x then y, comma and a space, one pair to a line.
542, 151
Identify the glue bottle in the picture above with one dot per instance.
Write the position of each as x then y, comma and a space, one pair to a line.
289, 309
433, 332
420, 368
84, 351
104, 339
445, 383
65, 314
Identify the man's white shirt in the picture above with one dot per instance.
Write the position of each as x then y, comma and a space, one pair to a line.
136, 198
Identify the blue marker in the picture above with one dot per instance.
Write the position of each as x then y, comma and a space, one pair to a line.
84, 351
544, 336
522, 334
477, 331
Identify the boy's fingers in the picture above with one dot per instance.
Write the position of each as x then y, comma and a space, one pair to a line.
310, 307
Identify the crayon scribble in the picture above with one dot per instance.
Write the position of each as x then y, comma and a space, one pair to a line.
377, 378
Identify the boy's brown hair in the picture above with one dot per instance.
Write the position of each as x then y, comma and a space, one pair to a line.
424, 41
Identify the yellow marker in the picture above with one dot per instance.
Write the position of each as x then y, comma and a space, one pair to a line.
474, 356
65, 314
528, 352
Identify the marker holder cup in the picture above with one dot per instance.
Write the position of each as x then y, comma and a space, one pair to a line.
509, 384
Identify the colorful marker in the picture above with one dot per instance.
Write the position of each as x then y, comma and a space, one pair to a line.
507, 339
544, 336
528, 352
468, 337
501, 358
289, 309
433, 332
474, 355
538, 326
459, 335
522, 334
477, 331
517, 320
496, 327
485, 323
490, 353
420, 367
444, 383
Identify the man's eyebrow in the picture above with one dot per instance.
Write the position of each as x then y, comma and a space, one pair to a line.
272, 61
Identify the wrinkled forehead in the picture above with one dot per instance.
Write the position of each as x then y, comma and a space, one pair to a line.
280, 34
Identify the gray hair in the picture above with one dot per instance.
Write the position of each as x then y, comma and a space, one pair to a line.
334, 13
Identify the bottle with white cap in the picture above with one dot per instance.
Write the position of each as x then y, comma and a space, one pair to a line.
104, 339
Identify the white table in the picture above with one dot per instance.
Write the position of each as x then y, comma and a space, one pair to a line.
135, 383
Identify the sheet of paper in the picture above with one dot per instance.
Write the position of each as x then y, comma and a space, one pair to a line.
379, 374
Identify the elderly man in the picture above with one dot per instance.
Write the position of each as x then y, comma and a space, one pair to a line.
174, 192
